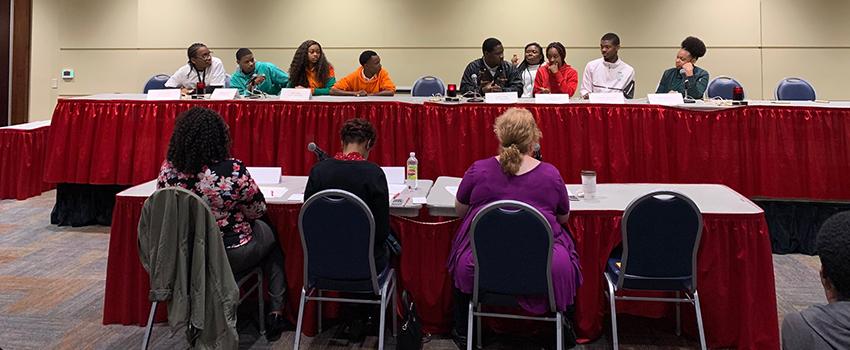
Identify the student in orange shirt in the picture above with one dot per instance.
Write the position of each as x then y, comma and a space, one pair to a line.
368, 80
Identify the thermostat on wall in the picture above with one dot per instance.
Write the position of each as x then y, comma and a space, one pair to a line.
67, 74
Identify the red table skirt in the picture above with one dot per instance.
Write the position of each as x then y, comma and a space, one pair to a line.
735, 277
760, 151
22, 157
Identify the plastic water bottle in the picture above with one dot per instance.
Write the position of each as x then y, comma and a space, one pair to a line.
412, 171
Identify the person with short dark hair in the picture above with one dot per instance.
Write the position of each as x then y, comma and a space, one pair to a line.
199, 160
556, 76
528, 67
202, 67
608, 73
350, 171
370, 79
310, 69
673, 79
826, 326
492, 72
253, 75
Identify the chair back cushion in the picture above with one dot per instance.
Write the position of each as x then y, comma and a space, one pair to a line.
795, 89
156, 82
337, 235
661, 233
428, 86
512, 248
722, 87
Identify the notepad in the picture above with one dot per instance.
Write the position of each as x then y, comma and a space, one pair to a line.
452, 190
273, 192
570, 194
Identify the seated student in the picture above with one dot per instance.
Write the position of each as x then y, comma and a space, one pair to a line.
528, 67
370, 79
608, 73
199, 160
492, 72
673, 79
350, 171
826, 326
556, 76
202, 67
514, 174
311, 70
256, 75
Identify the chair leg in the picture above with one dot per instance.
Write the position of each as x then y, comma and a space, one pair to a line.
319, 315
469, 317
559, 332
480, 343
382, 320
612, 300
678, 316
699, 321
300, 320
149, 328
260, 302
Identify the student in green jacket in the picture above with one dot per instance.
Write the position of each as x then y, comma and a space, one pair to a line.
255, 76
311, 70
674, 79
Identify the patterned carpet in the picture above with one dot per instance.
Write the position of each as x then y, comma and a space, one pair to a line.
52, 280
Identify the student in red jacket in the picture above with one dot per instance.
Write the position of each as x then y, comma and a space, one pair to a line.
556, 76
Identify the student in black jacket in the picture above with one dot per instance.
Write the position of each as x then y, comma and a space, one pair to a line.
493, 73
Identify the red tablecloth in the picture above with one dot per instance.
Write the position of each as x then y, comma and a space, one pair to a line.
760, 151
736, 281
22, 157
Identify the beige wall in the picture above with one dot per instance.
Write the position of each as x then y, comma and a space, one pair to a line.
115, 45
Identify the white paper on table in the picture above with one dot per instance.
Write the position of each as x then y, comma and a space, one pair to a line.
265, 175
295, 94
572, 196
452, 190
396, 189
163, 94
501, 97
607, 97
394, 174
223, 94
552, 98
273, 192
671, 99
298, 197
420, 200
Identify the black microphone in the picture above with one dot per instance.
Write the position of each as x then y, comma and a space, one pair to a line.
684, 75
537, 155
320, 154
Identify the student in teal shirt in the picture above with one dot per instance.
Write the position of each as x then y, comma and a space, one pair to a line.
255, 75
673, 79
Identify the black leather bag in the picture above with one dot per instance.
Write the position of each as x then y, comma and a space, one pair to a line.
410, 335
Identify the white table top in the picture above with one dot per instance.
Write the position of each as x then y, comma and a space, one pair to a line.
709, 198
294, 186
709, 105
28, 126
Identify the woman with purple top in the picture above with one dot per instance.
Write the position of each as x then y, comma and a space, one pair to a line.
515, 175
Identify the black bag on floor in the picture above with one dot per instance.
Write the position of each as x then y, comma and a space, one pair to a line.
410, 336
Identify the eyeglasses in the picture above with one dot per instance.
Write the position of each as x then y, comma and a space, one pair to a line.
205, 56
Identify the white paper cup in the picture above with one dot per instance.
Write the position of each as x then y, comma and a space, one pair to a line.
588, 183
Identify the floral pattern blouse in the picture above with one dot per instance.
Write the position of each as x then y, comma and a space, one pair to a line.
233, 196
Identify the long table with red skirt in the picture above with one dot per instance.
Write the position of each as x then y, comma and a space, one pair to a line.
735, 273
22, 156
766, 151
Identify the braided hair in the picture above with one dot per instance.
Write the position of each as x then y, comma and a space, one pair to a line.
524, 64
358, 130
191, 52
200, 138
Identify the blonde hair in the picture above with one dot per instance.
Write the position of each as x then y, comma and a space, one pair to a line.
518, 133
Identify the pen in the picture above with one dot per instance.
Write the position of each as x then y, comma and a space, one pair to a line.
405, 202
396, 195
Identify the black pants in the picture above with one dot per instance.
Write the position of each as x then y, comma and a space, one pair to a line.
262, 250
